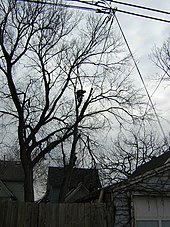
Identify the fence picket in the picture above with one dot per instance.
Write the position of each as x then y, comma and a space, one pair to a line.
20, 214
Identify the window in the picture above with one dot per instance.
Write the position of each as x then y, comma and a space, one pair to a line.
153, 223
147, 223
152, 211
166, 223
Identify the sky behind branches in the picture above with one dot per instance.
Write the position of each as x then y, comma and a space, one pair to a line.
142, 35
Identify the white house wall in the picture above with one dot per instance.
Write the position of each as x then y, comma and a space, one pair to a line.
128, 207
122, 209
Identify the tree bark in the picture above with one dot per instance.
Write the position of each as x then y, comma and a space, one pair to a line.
69, 168
28, 172
65, 183
28, 184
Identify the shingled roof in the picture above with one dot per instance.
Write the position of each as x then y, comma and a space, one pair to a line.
89, 177
154, 163
11, 171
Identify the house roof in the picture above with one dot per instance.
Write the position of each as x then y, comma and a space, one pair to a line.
154, 167
89, 177
76, 194
154, 163
5, 192
11, 171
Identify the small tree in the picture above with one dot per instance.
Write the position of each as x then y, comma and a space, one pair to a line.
62, 79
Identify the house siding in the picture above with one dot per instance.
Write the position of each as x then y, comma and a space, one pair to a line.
159, 183
17, 189
12, 180
151, 207
122, 210
156, 186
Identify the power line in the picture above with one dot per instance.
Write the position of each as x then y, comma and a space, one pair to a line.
140, 7
156, 88
104, 9
97, 9
127, 12
146, 109
59, 4
144, 16
159, 82
111, 19
140, 75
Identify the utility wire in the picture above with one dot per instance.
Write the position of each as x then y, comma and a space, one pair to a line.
103, 10
146, 109
123, 3
140, 75
106, 10
111, 19
156, 88
144, 16
97, 9
140, 7
58, 4
159, 82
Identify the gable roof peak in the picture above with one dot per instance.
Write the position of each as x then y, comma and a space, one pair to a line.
88, 177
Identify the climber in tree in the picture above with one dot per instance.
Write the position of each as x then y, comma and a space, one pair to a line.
80, 94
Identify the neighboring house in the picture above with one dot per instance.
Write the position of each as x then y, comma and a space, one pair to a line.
143, 200
82, 182
11, 181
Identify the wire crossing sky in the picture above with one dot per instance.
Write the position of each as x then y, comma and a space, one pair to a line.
102, 7
140, 7
141, 33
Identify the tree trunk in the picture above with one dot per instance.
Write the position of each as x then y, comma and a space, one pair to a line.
69, 168
65, 184
28, 184
28, 172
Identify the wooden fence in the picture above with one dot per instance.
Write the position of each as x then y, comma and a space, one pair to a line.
20, 214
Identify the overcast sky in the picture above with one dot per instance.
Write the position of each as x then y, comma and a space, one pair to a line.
142, 34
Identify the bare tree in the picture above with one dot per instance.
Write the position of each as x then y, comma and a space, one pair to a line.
130, 150
62, 79
161, 57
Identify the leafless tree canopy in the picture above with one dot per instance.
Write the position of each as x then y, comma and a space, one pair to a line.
47, 54
129, 151
161, 57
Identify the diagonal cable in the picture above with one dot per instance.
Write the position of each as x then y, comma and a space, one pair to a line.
140, 75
